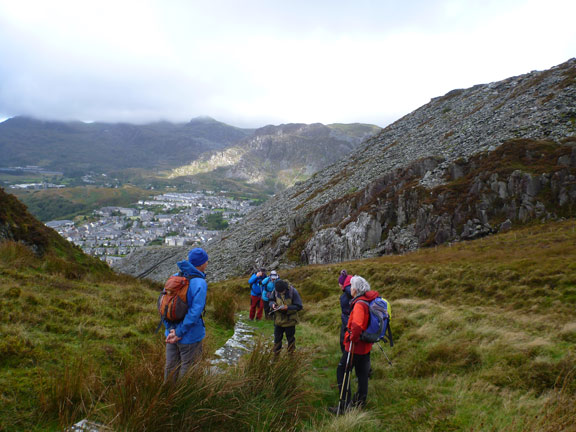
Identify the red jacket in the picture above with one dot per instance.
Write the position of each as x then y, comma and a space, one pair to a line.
358, 322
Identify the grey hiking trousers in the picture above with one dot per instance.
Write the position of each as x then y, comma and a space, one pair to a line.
179, 358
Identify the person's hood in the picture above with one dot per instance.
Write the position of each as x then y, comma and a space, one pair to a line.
188, 269
347, 281
369, 296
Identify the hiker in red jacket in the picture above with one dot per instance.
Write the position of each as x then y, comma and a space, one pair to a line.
360, 354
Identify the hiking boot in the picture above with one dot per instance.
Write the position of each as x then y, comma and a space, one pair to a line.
357, 402
334, 410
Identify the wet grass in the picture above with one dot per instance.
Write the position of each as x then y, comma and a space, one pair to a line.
79, 326
484, 331
484, 335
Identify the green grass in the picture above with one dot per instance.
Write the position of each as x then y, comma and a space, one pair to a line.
67, 203
484, 332
64, 340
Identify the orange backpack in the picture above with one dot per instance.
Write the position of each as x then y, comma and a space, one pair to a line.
172, 303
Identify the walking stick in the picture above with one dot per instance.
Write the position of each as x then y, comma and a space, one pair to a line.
384, 352
346, 382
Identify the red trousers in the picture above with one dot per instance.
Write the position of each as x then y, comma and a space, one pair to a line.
256, 303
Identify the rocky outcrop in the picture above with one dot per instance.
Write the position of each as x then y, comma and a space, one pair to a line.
465, 165
282, 153
520, 181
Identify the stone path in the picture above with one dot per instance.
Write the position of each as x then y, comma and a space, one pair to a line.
239, 344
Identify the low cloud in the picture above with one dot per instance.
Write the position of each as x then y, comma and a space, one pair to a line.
257, 62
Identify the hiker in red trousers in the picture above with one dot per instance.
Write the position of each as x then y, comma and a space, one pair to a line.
256, 303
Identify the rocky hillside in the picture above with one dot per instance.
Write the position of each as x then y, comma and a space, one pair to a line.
284, 153
19, 227
16, 224
80, 147
467, 164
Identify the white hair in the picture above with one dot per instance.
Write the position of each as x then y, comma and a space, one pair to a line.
360, 285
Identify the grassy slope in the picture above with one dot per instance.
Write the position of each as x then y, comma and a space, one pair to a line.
485, 332
63, 314
17, 224
64, 333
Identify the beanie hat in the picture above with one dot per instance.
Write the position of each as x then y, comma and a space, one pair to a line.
281, 285
197, 257
273, 274
342, 277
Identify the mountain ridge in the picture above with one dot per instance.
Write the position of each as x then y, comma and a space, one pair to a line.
287, 151
433, 140
108, 146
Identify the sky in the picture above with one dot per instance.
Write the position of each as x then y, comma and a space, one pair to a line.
250, 63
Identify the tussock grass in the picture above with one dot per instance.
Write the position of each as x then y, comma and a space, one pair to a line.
15, 254
70, 393
484, 334
353, 420
558, 412
225, 305
263, 392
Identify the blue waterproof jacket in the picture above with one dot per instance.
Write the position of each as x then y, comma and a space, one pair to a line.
268, 285
191, 328
255, 284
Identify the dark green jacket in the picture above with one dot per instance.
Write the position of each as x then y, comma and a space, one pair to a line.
290, 298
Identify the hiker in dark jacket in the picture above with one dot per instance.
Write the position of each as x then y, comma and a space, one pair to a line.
345, 299
285, 302
360, 354
256, 304
184, 338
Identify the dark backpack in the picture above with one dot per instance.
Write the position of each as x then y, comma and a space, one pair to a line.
172, 302
379, 323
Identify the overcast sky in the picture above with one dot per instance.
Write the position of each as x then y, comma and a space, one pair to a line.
255, 62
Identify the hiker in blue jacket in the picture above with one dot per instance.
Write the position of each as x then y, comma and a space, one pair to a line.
184, 338
256, 305
268, 285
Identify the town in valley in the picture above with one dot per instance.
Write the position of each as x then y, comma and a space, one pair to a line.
170, 219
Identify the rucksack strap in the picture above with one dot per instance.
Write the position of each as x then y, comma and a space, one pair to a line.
187, 276
389, 333
366, 302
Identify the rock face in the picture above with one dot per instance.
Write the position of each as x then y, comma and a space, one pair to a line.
465, 165
284, 153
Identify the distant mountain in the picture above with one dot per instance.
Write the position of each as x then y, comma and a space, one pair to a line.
81, 147
285, 153
468, 164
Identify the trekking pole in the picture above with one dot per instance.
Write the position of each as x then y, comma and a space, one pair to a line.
384, 352
343, 389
